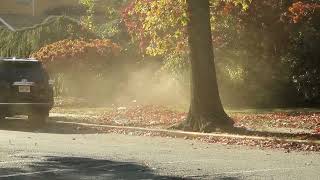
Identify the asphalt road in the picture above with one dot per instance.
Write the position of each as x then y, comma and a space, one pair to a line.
59, 152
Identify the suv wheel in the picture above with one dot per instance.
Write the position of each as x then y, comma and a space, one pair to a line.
39, 118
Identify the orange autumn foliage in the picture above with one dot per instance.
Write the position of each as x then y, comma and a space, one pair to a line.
74, 55
300, 10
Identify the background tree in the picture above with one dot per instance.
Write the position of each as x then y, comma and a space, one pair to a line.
23, 42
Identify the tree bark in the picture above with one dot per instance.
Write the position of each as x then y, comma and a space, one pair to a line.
206, 112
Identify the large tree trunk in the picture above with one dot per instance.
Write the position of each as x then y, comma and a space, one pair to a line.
206, 112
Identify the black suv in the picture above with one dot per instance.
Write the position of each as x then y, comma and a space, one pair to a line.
24, 89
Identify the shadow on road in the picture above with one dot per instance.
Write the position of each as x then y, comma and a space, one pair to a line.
24, 125
75, 168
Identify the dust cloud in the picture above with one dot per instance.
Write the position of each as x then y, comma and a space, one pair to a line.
125, 84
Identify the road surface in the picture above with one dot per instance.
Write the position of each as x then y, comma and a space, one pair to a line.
54, 152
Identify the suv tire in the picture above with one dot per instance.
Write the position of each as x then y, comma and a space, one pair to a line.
39, 118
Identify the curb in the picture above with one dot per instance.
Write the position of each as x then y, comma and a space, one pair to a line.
185, 134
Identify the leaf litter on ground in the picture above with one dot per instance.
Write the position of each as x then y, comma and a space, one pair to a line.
162, 117
159, 116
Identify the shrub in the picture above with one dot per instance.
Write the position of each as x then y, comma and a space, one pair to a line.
77, 55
